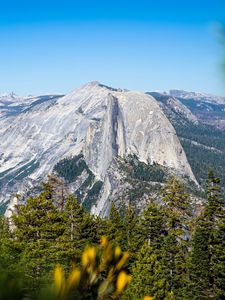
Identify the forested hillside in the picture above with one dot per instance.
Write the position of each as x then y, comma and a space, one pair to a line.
175, 248
204, 144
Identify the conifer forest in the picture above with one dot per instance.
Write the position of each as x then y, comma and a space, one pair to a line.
52, 248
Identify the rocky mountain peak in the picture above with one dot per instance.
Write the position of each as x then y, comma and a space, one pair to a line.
100, 122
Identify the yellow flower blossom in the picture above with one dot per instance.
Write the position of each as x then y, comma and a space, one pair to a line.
88, 256
92, 254
59, 278
107, 259
148, 298
117, 251
122, 260
122, 281
104, 241
74, 279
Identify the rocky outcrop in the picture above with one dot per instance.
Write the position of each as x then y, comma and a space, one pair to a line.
100, 122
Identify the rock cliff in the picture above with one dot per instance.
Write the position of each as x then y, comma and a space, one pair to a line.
100, 122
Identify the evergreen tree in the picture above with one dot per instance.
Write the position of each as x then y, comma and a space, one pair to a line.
115, 227
8, 256
101, 227
210, 232
215, 223
131, 238
148, 277
38, 226
80, 230
132, 241
177, 204
177, 212
152, 225
199, 286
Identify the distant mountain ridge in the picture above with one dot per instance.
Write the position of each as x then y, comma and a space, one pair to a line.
208, 109
197, 96
199, 122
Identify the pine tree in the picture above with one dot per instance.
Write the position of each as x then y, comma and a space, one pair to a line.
8, 256
148, 277
80, 230
152, 225
100, 226
129, 224
115, 227
210, 232
177, 213
131, 228
177, 205
38, 227
199, 263
214, 217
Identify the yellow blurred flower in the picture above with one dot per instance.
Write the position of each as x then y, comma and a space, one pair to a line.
59, 278
92, 254
88, 256
106, 260
74, 279
122, 260
148, 298
122, 281
117, 251
104, 241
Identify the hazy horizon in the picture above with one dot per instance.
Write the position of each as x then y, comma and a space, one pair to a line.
2, 93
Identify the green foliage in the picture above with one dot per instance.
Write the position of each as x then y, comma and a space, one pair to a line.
38, 227
203, 134
148, 172
102, 275
51, 228
115, 226
199, 263
207, 262
177, 208
202, 159
6, 253
70, 168
92, 195
12, 287
173, 258
142, 171
148, 277
172, 255
132, 236
178, 213
152, 225
79, 231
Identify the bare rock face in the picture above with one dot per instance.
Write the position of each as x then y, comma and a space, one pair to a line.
100, 122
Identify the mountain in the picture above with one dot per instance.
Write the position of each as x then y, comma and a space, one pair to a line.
207, 108
12, 105
93, 137
198, 121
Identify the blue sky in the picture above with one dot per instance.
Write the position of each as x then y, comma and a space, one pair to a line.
56, 46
